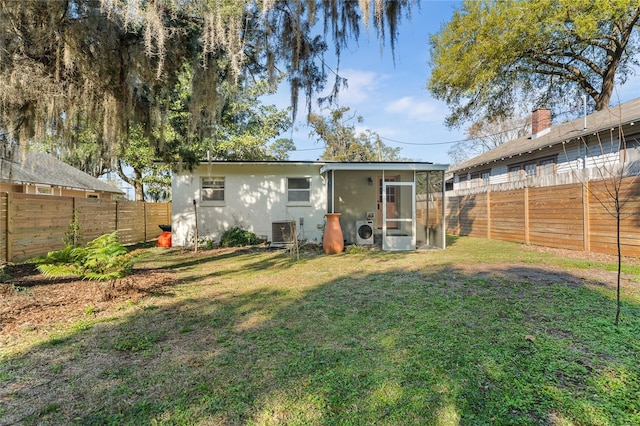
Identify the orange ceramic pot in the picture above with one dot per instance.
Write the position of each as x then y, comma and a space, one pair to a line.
332, 241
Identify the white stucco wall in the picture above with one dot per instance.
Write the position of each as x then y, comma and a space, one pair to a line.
255, 196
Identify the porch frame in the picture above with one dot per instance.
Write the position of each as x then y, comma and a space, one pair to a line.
383, 167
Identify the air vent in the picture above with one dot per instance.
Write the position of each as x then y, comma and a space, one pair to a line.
283, 233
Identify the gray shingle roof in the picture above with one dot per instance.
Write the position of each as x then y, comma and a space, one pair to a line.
37, 168
622, 114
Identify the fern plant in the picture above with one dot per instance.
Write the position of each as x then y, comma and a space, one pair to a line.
104, 259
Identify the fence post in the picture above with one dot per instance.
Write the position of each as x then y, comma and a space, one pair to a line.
10, 215
488, 214
146, 220
117, 217
586, 225
74, 221
169, 218
458, 222
526, 215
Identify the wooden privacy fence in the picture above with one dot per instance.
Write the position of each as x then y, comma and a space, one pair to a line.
574, 216
32, 225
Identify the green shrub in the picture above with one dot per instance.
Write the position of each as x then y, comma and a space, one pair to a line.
73, 233
356, 249
103, 259
238, 237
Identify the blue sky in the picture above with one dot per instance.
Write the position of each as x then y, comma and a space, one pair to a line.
393, 100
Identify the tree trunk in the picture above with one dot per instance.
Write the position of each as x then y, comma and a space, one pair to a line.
137, 185
616, 50
136, 181
619, 263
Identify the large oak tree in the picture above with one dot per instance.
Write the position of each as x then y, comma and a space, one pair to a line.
107, 65
494, 55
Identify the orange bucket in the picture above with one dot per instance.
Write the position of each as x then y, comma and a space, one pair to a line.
164, 240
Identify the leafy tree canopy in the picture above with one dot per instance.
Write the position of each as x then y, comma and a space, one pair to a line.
496, 54
104, 65
343, 142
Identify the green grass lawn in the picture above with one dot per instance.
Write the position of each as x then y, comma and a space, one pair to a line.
483, 333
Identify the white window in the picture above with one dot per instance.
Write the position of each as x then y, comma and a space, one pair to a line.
547, 167
44, 190
631, 157
480, 178
299, 190
463, 181
544, 166
530, 169
515, 173
212, 189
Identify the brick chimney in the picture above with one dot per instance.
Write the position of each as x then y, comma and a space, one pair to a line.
540, 122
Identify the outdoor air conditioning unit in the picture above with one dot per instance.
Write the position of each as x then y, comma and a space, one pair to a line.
364, 232
283, 233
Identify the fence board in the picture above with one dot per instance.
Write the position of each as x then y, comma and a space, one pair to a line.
563, 216
474, 215
131, 219
3, 225
602, 215
95, 217
507, 216
452, 216
555, 217
32, 225
157, 214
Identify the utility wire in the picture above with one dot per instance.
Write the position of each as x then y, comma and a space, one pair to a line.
559, 114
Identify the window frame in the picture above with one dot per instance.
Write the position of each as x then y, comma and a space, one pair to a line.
480, 178
214, 187
43, 190
524, 170
290, 191
463, 181
553, 161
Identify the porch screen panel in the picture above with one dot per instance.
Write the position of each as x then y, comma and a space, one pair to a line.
402, 223
429, 209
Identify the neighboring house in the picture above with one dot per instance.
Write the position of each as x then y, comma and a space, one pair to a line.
572, 152
401, 203
36, 173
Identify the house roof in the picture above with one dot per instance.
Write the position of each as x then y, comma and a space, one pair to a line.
623, 114
381, 165
263, 162
41, 169
337, 165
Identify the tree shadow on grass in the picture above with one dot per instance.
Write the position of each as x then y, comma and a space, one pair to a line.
250, 258
444, 345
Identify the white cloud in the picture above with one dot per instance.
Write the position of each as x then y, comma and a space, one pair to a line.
414, 109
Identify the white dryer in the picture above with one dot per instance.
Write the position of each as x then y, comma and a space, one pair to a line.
364, 232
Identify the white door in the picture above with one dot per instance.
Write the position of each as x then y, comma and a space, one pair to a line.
399, 232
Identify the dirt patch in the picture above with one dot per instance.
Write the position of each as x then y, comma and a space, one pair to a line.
31, 302
574, 254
